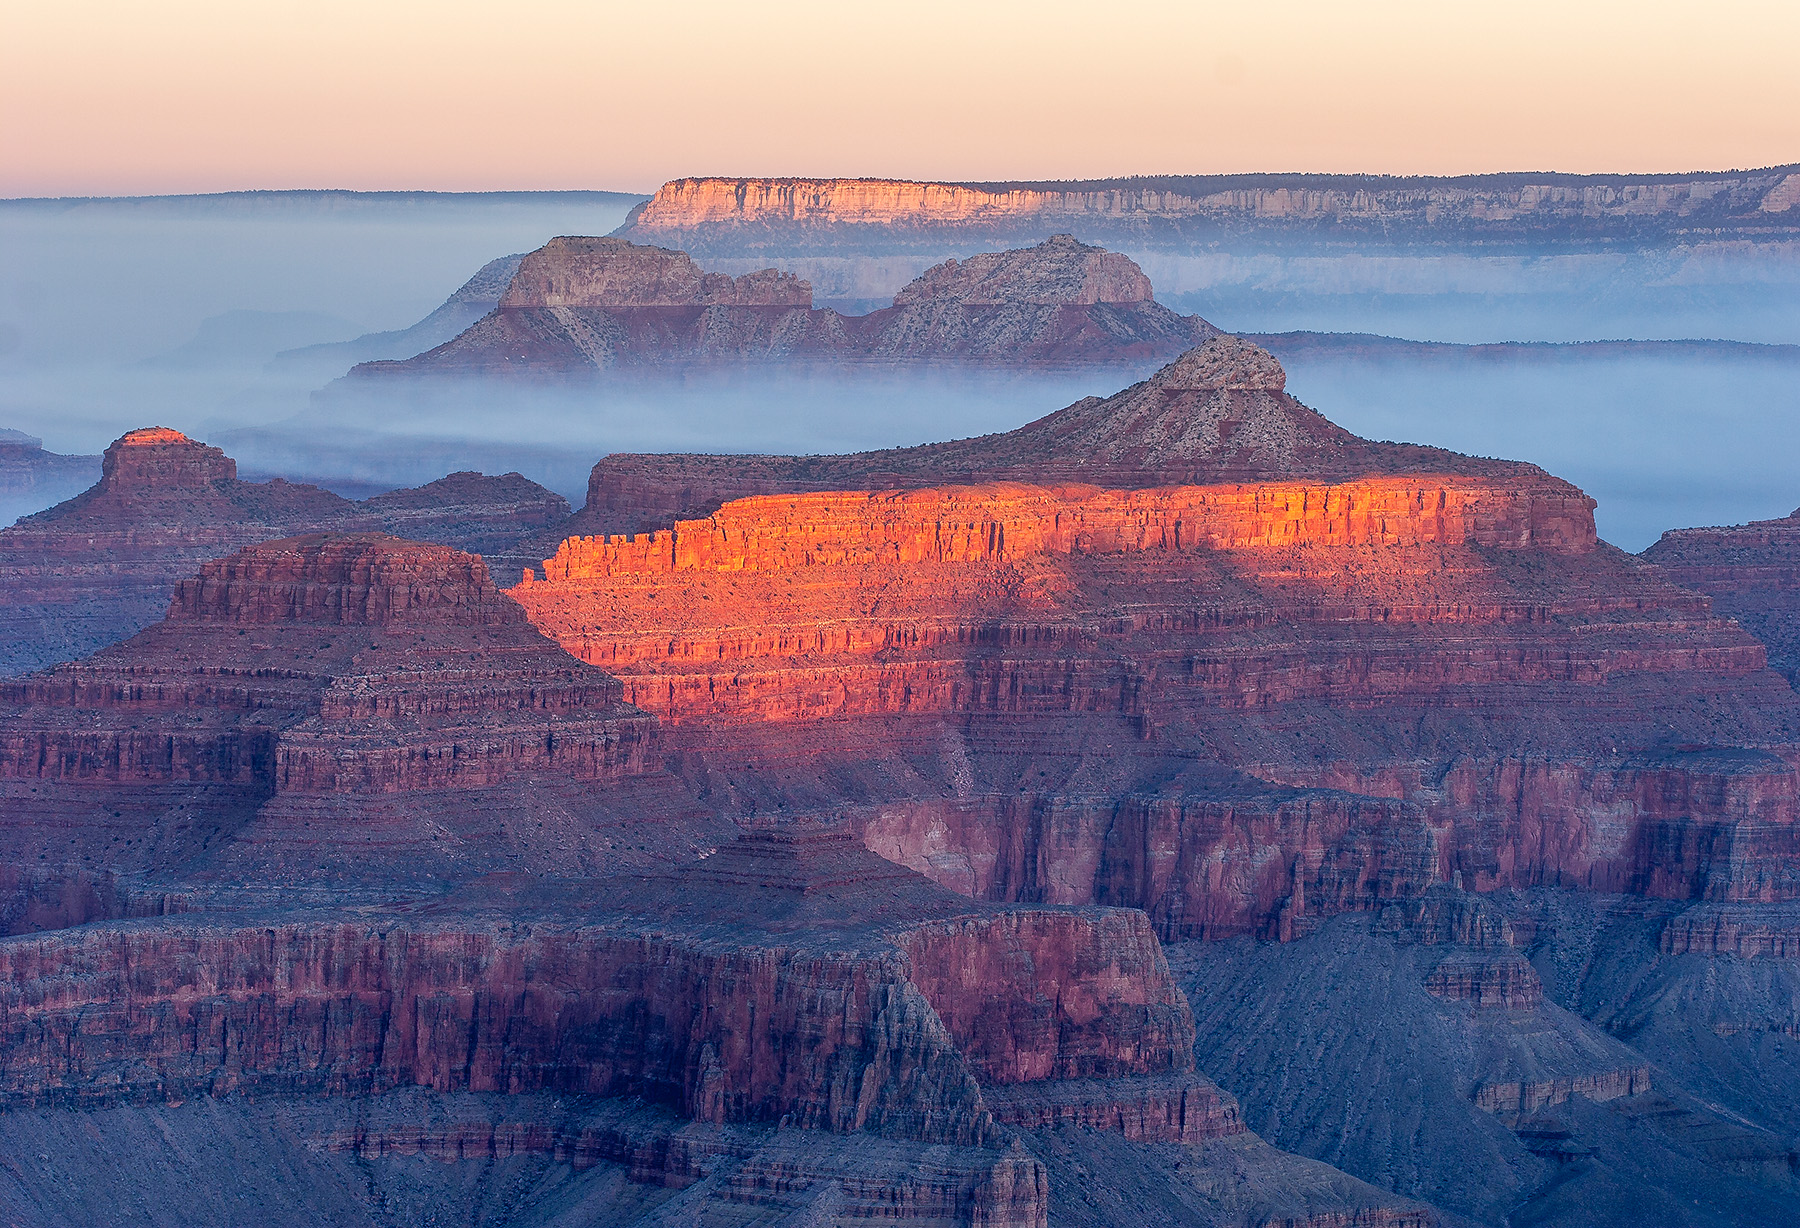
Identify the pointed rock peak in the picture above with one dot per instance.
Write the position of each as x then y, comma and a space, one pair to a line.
157, 459
582, 271
351, 578
1221, 363
1060, 271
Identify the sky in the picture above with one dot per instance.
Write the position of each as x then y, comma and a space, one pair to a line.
103, 97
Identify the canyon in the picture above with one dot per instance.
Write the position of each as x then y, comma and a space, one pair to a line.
1178, 808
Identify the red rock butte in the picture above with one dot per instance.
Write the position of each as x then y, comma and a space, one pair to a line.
1219, 414
581, 305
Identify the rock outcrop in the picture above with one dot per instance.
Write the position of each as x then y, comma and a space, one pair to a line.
582, 305
323, 667
102, 566
791, 978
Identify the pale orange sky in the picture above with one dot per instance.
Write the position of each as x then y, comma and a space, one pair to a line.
103, 97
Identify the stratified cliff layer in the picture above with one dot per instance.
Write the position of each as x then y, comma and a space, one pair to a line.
101, 566
790, 981
581, 305
1751, 572
720, 215
1330, 671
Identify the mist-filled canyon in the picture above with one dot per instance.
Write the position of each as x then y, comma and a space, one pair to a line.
228, 318
1256, 701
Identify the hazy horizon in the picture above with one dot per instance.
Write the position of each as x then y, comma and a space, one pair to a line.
200, 95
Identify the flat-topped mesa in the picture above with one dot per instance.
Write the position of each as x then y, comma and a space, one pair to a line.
355, 578
712, 211
1220, 414
156, 460
603, 272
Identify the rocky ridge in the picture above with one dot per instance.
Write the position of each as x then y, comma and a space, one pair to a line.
1475, 834
581, 305
1372, 684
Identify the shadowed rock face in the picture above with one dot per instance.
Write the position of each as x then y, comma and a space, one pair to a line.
102, 565
790, 978
581, 305
937, 763
1751, 572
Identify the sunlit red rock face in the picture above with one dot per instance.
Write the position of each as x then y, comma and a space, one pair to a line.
1751, 572
1268, 672
102, 565
725, 214
580, 305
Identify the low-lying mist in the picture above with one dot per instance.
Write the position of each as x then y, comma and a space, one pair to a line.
363, 432
1661, 442
172, 311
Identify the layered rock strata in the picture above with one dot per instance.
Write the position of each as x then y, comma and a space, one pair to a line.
1329, 672
791, 977
581, 305
1752, 574
101, 566
353, 664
